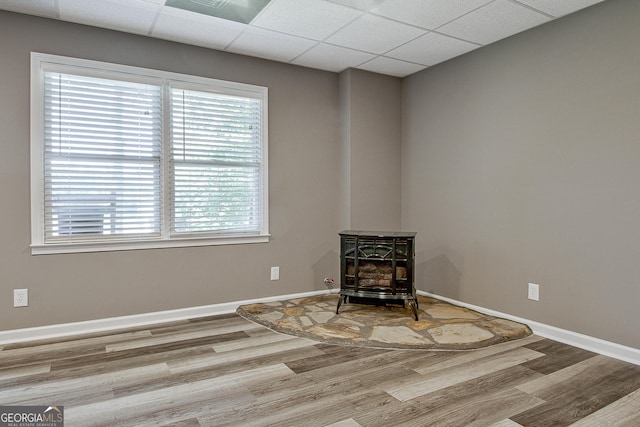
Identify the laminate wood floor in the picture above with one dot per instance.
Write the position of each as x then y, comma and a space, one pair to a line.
227, 371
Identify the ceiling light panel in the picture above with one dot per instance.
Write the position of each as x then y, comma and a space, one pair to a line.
305, 18
492, 22
243, 11
428, 14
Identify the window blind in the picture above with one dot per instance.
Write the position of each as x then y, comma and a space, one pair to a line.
126, 158
102, 148
216, 163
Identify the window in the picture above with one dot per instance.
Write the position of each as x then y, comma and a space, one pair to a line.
131, 158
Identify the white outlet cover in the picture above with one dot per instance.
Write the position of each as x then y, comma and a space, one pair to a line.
275, 273
20, 297
534, 292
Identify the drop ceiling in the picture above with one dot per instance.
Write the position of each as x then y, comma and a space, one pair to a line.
394, 37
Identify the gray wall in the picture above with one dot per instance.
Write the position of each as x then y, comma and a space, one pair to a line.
370, 118
309, 183
303, 147
521, 163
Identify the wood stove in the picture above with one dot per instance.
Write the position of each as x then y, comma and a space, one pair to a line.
377, 268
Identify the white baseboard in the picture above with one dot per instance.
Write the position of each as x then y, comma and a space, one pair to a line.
618, 351
136, 320
597, 345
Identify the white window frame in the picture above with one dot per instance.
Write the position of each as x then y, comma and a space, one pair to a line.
40, 62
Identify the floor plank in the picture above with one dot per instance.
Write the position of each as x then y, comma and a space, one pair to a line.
557, 356
580, 396
624, 412
224, 370
460, 400
447, 377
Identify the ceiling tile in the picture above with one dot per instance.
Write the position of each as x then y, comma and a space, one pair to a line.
134, 16
306, 18
374, 34
428, 14
332, 58
201, 30
559, 8
269, 44
395, 37
358, 4
493, 22
391, 67
34, 7
431, 49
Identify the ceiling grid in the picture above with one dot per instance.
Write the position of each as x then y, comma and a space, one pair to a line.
394, 37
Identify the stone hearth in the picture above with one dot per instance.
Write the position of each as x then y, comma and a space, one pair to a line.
442, 326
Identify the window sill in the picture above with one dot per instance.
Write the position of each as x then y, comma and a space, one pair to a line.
69, 248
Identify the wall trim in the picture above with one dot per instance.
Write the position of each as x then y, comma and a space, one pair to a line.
607, 348
586, 342
132, 321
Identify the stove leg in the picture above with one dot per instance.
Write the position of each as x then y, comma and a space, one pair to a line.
414, 308
340, 297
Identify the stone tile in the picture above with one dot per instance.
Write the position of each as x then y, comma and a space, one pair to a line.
440, 311
459, 333
255, 308
337, 331
272, 304
421, 325
293, 311
350, 322
505, 328
321, 316
288, 323
272, 316
305, 321
391, 334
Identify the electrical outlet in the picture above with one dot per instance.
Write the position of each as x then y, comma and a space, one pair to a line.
20, 297
275, 273
534, 292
